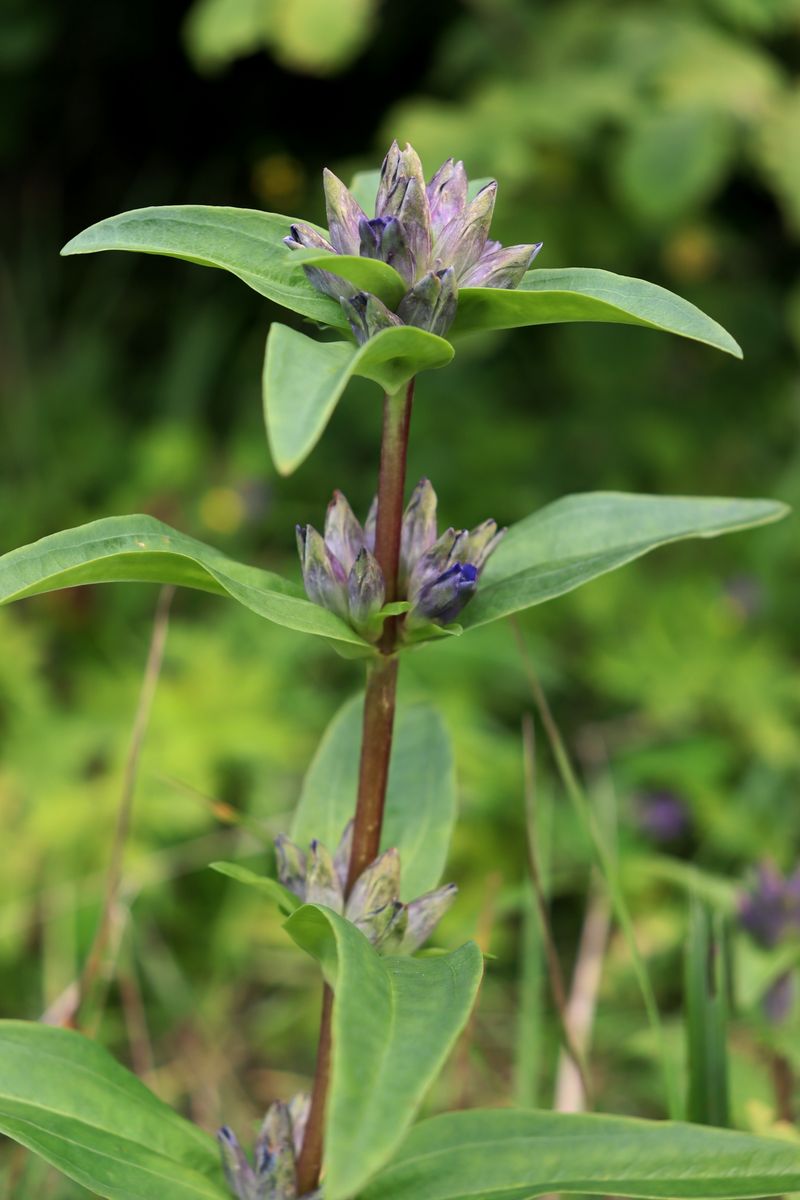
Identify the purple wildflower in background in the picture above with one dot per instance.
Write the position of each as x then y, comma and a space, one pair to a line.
662, 816
770, 912
434, 236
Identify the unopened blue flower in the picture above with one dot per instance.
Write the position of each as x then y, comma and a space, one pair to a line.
435, 237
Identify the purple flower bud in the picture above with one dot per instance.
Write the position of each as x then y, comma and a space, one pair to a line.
344, 536
447, 194
424, 914
480, 542
503, 267
375, 887
322, 882
385, 238
291, 864
323, 575
370, 525
432, 302
344, 214
430, 565
400, 168
443, 599
462, 242
304, 237
367, 315
240, 1176
419, 528
366, 591
275, 1163
341, 859
299, 1108
378, 924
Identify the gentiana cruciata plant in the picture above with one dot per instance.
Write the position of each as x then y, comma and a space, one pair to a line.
405, 270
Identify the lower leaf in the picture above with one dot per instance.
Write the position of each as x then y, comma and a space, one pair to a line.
65, 1098
503, 1154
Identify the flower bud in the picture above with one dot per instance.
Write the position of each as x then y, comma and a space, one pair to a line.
302, 236
447, 194
430, 565
323, 575
375, 887
385, 238
239, 1175
419, 528
291, 864
341, 859
443, 599
344, 214
275, 1162
432, 302
501, 267
480, 542
367, 315
322, 882
377, 926
424, 915
462, 242
299, 1108
366, 592
344, 536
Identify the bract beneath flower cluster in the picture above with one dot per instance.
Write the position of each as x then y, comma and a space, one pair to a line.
434, 236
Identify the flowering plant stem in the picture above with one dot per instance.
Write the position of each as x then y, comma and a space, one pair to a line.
376, 739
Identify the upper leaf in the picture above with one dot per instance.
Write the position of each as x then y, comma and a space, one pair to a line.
577, 538
582, 294
508, 1155
303, 380
244, 241
395, 1020
420, 797
66, 1098
142, 549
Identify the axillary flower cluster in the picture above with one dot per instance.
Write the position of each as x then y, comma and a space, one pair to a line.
438, 574
434, 236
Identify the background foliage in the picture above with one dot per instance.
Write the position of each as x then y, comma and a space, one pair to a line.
660, 141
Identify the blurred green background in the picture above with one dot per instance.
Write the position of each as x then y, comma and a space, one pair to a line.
653, 139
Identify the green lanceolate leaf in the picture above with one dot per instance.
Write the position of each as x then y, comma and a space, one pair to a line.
244, 241
142, 549
583, 294
65, 1098
509, 1155
420, 799
304, 380
395, 1020
367, 274
286, 901
580, 537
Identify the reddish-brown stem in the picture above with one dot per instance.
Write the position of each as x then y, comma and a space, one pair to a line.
376, 741
309, 1163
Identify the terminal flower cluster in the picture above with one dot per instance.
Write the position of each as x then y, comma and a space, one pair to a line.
434, 235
